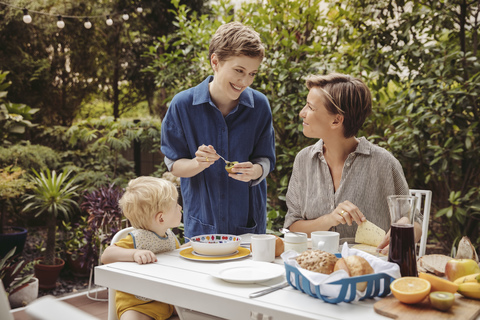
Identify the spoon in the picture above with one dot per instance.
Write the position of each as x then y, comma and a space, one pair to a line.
283, 230
226, 161
193, 240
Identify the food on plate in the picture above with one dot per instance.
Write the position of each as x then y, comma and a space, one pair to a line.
466, 250
355, 266
456, 268
317, 261
469, 290
433, 263
441, 300
368, 249
410, 289
439, 284
470, 278
230, 165
279, 246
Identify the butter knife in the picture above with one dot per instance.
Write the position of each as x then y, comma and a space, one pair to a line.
266, 291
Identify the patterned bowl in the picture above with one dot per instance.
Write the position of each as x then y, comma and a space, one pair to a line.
215, 244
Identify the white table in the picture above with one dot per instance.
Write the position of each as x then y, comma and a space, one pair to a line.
189, 284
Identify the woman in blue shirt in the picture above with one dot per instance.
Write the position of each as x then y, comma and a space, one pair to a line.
223, 114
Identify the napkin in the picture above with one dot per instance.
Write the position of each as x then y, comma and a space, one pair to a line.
323, 280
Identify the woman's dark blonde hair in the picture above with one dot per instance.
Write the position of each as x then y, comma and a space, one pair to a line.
235, 39
344, 95
144, 197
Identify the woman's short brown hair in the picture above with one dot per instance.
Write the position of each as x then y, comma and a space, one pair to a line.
345, 95
235, 39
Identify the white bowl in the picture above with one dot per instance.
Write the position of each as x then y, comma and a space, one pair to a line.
215, 244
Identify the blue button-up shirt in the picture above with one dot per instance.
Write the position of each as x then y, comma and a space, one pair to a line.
213, 202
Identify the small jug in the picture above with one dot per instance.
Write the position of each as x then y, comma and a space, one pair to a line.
402, 236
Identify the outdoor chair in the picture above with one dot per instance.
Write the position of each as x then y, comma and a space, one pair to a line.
423, 206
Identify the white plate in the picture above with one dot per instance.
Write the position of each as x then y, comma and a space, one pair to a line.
248, 271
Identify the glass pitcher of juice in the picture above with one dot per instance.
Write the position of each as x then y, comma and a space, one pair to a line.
402, 237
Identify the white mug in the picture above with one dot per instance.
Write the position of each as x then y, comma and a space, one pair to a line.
325, 240
263, 247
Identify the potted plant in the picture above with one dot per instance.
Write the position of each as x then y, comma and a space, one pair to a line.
104, 220
12, 185
75, 245
20, 285
53, 195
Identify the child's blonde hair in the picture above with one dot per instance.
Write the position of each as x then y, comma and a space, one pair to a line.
144, 197
235, 39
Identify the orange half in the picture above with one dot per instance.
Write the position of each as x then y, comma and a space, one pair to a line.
410, 289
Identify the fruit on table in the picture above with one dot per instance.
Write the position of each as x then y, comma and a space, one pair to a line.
410, 289
469, 290
470, 278
442, 300
439, 284
230, 165
456, 268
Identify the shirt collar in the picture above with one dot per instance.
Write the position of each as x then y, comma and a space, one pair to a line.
201, 94
363, 147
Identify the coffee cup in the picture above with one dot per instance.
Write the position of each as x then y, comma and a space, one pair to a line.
325, 240
263, 247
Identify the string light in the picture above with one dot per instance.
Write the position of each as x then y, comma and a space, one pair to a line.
125, 15
87, 24
26, 17
60, 22
109, 21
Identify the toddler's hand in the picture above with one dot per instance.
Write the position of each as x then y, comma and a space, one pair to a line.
144, 256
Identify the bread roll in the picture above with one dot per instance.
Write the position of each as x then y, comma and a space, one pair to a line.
279, 246
317, 261
355, 266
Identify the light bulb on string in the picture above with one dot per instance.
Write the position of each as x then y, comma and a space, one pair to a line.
60, 22
139, 9
125, 15
87, 24
109, 21
26, 17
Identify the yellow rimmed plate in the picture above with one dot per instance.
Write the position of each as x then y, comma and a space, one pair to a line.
188, 254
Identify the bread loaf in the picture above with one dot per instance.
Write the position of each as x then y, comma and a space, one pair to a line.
355, 266
433, 263
317, 261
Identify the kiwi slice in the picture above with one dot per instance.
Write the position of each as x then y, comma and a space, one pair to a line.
442, 300
230, 165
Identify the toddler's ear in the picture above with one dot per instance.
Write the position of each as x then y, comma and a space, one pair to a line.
159, 217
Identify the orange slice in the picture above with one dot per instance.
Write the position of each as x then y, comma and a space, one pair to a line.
439, 284
410, 289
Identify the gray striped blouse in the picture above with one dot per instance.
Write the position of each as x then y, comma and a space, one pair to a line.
370, 174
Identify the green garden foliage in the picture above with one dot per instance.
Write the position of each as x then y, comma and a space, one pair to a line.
419, 58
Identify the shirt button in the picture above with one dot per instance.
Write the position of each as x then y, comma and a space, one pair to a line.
348, 164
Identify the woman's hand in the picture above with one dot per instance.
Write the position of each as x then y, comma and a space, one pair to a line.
346, 212
246, 171
205, 156
144, 256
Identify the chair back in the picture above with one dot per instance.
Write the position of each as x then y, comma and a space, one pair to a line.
112, 310
423, 206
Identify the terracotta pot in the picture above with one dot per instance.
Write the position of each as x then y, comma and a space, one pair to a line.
25, 295
48, 274
14, 237
75, 265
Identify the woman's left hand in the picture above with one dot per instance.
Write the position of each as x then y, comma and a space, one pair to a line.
246, 171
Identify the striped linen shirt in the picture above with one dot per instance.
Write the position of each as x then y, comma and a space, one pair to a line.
370, 174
